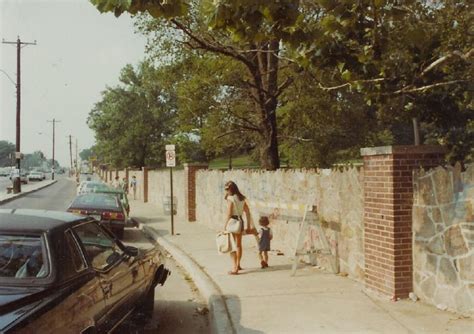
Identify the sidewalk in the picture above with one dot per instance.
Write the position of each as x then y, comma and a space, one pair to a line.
25, 189
271, 301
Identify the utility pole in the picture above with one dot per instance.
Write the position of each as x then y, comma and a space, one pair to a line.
54, 121
77, 170
70, 154
19, 43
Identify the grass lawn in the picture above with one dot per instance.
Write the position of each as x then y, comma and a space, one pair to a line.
242, 161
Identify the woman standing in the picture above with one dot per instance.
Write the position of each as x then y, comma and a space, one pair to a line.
236, 207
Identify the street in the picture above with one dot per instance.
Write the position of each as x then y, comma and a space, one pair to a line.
178, 306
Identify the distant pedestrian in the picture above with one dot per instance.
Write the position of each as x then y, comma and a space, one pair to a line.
125, 185
264, 236
133, 186
236, 207
116, 183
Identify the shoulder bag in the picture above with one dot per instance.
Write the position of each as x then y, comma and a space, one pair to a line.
222, 242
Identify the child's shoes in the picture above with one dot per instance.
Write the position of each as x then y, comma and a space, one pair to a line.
264, 264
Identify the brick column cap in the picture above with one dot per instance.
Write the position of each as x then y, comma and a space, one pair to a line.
402, 149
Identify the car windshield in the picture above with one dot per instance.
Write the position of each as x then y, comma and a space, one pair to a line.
22, 257
96, 200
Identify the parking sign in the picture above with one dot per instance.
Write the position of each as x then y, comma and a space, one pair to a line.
170, 159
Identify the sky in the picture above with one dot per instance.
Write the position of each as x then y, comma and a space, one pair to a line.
79, 52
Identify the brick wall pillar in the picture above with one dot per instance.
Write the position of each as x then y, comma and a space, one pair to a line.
145, 184
190, 189
388, 202
127, 177
106, 174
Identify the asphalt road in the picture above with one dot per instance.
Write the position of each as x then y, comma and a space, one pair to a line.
178, 305
55, 197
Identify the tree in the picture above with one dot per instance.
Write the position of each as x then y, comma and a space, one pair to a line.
408, 59
389, 62
86, 154
6, 149
133, 120
35, 160
251, 38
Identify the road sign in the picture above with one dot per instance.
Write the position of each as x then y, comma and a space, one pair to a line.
170, 159
169, 147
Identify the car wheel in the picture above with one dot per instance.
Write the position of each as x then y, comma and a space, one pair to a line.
119, 233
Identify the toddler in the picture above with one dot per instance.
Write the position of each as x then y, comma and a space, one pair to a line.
264, 237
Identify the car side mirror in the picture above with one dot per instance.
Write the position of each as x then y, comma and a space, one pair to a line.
131, 251
113, 258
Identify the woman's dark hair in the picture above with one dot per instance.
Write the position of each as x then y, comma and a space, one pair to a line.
234, 190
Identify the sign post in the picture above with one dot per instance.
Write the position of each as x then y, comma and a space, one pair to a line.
171, 162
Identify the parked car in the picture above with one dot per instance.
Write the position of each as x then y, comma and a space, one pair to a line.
36, 176
105, 208
64, 273
5, 171
90, 186
120, 194
23, 176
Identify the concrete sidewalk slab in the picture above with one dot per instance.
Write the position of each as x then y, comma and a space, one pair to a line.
314, 301
25, 190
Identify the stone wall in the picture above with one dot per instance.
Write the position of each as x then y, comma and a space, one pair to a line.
337, 194
159, 187
139, 174
443, 236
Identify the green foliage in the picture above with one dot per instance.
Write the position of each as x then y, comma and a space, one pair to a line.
134, 120
86, 154
361, 71
36, 160
229, 162
410, 59
6, 149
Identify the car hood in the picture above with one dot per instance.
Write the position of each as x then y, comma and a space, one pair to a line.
16, 302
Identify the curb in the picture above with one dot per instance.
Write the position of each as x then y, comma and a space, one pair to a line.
220, 320
15, 196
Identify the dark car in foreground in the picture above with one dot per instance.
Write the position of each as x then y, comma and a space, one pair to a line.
105, 208
63, 273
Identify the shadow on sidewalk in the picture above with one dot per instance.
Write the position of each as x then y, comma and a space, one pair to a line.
270, 268
235, 310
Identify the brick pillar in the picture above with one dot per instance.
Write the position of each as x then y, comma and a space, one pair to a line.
145, 184
388, 202
106, 172
127, 177
190, 189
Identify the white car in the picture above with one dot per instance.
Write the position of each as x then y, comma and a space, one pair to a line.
23, 177
36, 176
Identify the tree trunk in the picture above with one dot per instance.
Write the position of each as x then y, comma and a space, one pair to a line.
265, 76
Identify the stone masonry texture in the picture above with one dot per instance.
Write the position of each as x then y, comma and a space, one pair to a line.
443, 237
159, 189
336, 193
